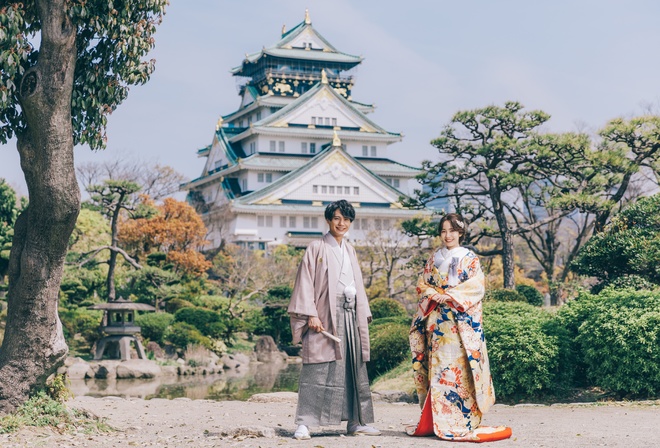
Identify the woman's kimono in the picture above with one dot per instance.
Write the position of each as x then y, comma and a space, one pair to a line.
450, 361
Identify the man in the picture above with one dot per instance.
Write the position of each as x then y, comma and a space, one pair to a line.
330, 314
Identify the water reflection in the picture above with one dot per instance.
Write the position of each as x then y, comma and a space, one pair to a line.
235, 384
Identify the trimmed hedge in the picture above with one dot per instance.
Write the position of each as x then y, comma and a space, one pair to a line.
154, 325
620, 342
389, 345
384, 307
532, 295
504, 295
524, 359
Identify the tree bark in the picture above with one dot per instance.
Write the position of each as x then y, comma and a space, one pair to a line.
508, 264
34, 344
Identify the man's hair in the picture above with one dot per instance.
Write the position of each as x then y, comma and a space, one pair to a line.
344, 207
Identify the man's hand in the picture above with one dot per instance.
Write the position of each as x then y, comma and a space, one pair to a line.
314, 323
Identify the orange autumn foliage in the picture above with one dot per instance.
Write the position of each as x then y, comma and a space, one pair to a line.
176, 230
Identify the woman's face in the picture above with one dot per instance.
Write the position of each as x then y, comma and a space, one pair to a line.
449, 236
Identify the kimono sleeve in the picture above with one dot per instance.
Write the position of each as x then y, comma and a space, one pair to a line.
303, 295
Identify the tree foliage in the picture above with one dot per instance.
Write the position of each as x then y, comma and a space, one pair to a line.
10, 208
175, 230
629, 245
111, 40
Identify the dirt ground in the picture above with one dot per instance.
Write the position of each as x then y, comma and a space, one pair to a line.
201, 423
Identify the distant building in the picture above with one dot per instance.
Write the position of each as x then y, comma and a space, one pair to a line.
298, 142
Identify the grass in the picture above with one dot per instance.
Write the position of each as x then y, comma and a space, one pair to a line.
399, 378
42, 411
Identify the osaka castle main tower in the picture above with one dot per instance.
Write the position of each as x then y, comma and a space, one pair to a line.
297, 142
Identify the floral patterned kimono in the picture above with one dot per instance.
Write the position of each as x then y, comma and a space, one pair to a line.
450, 361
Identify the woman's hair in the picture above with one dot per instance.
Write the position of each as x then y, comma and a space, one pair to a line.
344, 207
456, 222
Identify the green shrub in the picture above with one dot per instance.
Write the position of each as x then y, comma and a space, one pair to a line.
83, 322
386, 308
629, 245
389, 347
399, 320
200, 318
532, 295
523, 358
620, 342
154, 325
181, 335
632, 281
504, 295
174, 305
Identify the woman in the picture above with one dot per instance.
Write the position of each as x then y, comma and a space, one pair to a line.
450, 362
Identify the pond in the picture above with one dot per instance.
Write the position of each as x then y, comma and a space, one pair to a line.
234, 384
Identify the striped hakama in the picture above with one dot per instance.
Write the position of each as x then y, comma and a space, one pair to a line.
336, 391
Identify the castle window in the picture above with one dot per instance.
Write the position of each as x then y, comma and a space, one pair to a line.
303, 147
377, 224
314, 120
269, 177
365, 151
324, 189
258, 115
260, 177
334, 122
281, 146
312, 148
356, 191
306, 222
315, 189
260, 221
315, 223
373, 151
327, 121
269, 221
347, 190
282, 221
292, 222
332, 189
273, 146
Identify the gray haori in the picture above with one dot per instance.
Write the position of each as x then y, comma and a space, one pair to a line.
336, 391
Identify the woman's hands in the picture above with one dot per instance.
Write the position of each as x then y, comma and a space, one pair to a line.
314, 323
441, 298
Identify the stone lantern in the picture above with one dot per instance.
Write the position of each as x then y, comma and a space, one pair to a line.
120, 329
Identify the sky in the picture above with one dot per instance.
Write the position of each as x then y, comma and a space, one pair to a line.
582, 61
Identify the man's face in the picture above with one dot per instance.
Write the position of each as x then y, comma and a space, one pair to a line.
339, 225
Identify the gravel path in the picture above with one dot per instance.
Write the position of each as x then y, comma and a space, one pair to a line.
201, 423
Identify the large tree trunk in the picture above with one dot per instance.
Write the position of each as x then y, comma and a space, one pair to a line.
34, 343
508, 261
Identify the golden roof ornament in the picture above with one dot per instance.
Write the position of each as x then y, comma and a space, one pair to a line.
336, 141
308, 21
218, 125
324, 77
283, 29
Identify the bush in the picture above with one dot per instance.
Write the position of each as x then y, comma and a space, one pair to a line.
200, 318
524, 360
532, 295
389, 347
386, 308
628, 246
619, 341
154, 325
504, 295
174, 305
399, 320
83, 322
181, 335
632, 281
